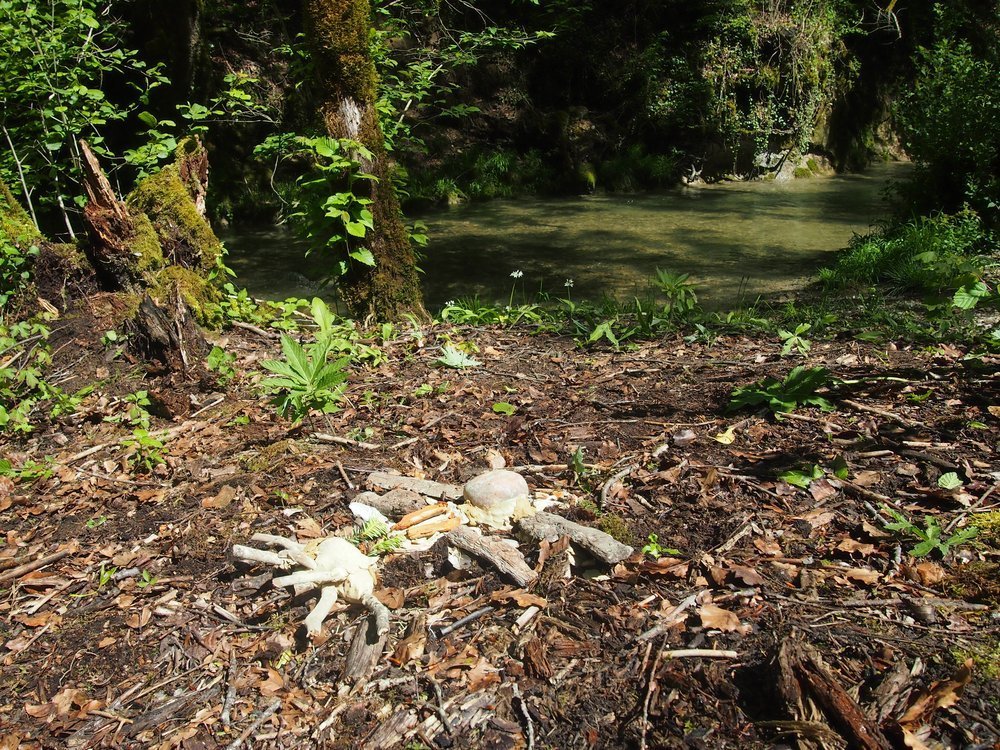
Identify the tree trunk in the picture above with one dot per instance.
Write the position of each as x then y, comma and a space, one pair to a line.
339, 33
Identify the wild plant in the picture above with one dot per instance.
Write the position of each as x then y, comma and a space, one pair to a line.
305, 380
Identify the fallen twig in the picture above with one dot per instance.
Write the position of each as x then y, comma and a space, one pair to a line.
442, 632
263, 716
29, 567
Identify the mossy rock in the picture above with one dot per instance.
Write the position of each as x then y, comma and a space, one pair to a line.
196, 290
802, 173
184, 235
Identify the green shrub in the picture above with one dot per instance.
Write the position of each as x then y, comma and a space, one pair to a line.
930, 254
950, 121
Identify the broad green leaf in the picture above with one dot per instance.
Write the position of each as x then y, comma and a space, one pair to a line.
363, 255
502, 407
949, 481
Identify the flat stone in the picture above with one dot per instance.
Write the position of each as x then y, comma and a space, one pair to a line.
437, 490
393, 504
497, 489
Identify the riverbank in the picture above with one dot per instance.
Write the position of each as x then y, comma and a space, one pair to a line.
772, 538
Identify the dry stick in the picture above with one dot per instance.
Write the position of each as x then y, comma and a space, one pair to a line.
41, 562
650, 686
529, 725
442, 632
610, 483
882, 413
325, 438
971, 509
671, 619
230, 698
710, 653
264, 715
343, 474
254, 329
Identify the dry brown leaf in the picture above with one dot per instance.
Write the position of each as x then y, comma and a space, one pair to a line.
410, 649
666, 566
860, 575
851, 546
35, 621
867, 478
393, 598
717, 618
271, 684
768, 546
482, 674
749, 576
308, 528
106, 641
139, 619
520, 597
822, 490
941, 694
929, 573
222, 499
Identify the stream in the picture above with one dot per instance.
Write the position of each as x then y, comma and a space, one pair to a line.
737, 240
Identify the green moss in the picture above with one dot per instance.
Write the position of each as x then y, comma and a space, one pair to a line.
813, 166
197, 292
989, 528
146, 247
185, 237
16, 225
985, 657
615, 526
802, 173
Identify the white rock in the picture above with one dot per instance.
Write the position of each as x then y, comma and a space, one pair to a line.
492, 498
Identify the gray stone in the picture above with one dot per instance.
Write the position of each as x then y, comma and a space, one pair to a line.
394, 504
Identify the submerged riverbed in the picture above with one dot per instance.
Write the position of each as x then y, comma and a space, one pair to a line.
737, 240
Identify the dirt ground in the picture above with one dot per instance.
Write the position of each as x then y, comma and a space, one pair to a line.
777, 616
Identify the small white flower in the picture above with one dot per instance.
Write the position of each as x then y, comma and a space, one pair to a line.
450, 303
516, 274
568, 283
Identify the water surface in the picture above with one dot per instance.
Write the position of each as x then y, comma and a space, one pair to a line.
736, 240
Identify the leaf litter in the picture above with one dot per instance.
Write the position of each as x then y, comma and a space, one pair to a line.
791, 612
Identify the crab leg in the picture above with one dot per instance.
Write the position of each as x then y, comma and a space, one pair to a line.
251, 554
314, 620
312, 576
292, 549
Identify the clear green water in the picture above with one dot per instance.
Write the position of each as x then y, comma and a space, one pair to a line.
737, 240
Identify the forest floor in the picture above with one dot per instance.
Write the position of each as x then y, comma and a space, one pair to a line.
126, 624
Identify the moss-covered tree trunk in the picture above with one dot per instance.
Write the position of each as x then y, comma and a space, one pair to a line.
339, 32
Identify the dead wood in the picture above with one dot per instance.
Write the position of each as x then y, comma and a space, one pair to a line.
551, 527
169, 335
506, 559
365, 651
804, 676
110, 227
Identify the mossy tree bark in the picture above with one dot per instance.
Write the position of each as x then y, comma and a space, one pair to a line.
339, 32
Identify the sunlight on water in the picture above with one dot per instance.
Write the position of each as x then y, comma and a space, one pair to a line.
734, 239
